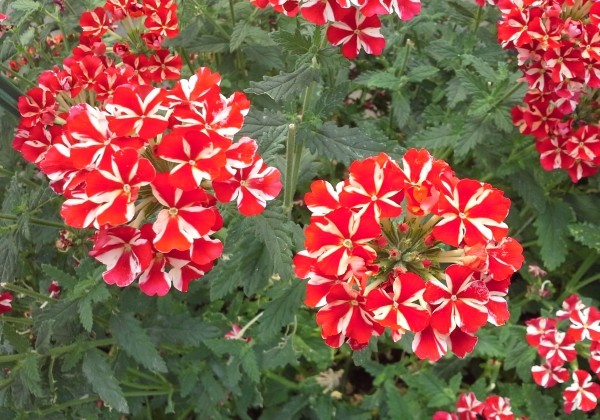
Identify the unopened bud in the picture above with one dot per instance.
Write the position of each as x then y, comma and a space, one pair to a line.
429, 240
403, 227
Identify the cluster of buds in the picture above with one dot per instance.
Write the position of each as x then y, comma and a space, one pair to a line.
144, 165
468, 407
355, 25
559, 348
440, 268
558, 46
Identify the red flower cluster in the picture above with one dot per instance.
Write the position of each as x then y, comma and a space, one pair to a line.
558, 45
371, 269
559, 348
469, 408
353, 24
123, 151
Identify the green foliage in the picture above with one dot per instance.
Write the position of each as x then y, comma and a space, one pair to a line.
442, 83
99, 374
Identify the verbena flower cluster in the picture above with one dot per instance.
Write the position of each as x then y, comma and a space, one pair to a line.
353, 24
558, 46
408, 247
560, 351
124, 152
468, 407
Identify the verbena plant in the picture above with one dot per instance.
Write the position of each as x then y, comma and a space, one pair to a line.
226, 166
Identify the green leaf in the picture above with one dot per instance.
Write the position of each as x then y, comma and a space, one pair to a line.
330, 100
275, 231
285, 85
438, 393
63, 312
436, 137
400, 109
264, 56
379, 79
540, 406
520, 356
455, 93
258, 123
250, 365
272, 143
586, 233
29, 373
529, 189
210, 43
98, 293
552, 226
86, 316
101, 377
423, 72
294, 43
9, 94
281, 310
25, 5
134, 340
343, 144
241, 30
9, 257
280, 355
182, 330
60, 276
397, 403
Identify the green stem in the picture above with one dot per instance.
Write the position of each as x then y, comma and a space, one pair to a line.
27, 292
477, 20
186, 58
232, 12
211, 20
507, 95
290, 187
15, 320
283, 381
30, 183
59, 407
34, 220
524, 226
17, 75
587, 281
57, 351
573, 285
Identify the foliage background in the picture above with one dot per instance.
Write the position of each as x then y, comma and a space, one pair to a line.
443, 83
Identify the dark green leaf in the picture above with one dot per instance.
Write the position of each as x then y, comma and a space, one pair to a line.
379, 79
281, 310
285, 85
552, 227
101, 377
586, 233
29, 372
134, 340
343, 144
294, 43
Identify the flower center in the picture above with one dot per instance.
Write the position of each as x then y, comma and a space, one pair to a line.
243, 183
373, 197
347, 243
462, 215
173, 211
453, 298
127, 188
